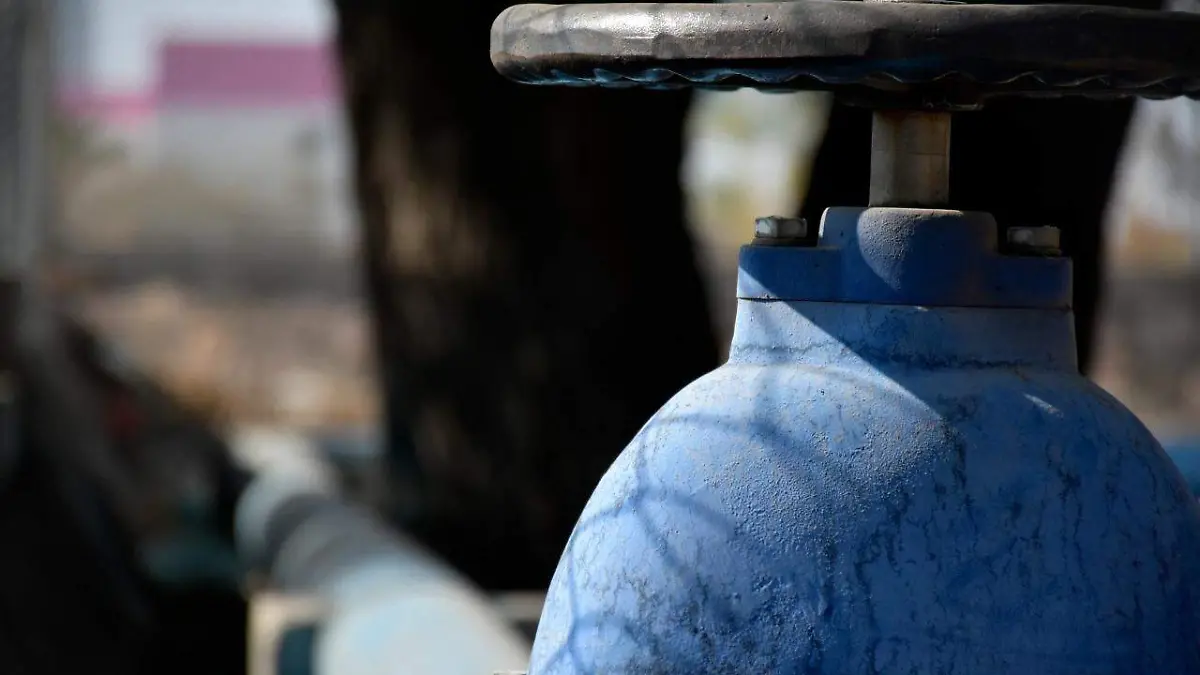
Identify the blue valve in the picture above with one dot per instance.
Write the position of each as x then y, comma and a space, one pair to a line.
900, 468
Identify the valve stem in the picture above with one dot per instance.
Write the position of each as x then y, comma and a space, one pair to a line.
910, 159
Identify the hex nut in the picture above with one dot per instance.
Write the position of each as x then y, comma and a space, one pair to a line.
779, 229
1045, 239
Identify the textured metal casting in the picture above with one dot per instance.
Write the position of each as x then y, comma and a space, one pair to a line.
886, 487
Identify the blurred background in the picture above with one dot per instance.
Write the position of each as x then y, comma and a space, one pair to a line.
320, 241
206, 218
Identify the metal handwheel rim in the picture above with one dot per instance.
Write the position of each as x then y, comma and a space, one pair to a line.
883, 54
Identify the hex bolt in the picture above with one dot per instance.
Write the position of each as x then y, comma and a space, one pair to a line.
1045, 240
779, 231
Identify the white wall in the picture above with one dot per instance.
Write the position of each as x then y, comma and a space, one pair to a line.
123, 35
254, 152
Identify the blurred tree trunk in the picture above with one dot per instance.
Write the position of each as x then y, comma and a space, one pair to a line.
531, 276
70, 595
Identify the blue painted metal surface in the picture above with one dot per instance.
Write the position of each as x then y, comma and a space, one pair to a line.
907, 257
874, 486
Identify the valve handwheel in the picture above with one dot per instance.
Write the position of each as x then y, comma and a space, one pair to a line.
931, 55
912, 61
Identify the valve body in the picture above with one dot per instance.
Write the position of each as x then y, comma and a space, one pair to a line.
899, 470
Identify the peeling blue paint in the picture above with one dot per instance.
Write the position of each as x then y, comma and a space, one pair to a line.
885, 487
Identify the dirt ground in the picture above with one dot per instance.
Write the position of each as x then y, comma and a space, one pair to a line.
293, 361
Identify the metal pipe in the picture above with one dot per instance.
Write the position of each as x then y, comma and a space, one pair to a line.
910, 159
391, 606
